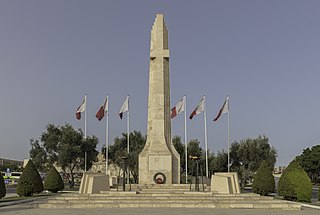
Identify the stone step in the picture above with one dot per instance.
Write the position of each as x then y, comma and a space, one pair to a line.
245, 205
168, 191
162, 186
159, 197
92, 201
161, 190
110, 199
108, 194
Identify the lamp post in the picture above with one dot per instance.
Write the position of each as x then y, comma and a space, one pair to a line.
124, 172
196, 159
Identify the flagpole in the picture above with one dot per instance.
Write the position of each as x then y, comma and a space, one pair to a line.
85, 132
107, 133
228, 135
128, 135
205, 137
185, 136
128, 129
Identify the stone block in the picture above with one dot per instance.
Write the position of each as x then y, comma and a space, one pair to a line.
94, 183
225, 183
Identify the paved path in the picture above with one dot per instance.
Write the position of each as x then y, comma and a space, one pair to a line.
23, 210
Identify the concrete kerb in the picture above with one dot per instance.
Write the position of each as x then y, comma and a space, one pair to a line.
17, 202
310, 206
23, 201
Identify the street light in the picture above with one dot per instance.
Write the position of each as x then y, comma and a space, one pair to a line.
123, 158
196, 158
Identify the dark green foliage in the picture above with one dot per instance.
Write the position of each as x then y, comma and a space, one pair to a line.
119, 149
310, 162
53, 182
219, 162
295, 184
263, 180
2, 187
13, 168
38, 155
247, 155
65, 147
30, 181
194, 149
319, 194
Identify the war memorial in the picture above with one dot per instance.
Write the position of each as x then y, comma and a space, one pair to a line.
159, 163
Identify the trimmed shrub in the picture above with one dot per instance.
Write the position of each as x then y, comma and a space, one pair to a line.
53, 181
263, 180
2, 187
30, 181
295, 184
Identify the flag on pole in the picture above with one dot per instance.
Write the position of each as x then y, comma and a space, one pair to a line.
103, 109
224, 109
199, 109
81, 108
125, 107
176, 110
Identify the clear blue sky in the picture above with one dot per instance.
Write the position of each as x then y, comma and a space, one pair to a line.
264, 54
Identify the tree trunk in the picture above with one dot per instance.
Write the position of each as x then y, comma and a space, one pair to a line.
72, 178
243, 181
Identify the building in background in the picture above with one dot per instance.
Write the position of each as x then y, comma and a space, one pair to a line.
4, 161
279, 169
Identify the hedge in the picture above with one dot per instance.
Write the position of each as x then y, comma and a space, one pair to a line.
295, 184
30, 181
263, 180
2, 187
53, 181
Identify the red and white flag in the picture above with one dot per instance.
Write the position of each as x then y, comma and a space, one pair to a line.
224, 109
177, 109
199, 109
103, 109
81, 108
125, 107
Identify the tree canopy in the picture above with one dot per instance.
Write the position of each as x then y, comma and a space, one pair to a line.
119, 149
310, 162
38, 155
247, 155
65, 147
219, 163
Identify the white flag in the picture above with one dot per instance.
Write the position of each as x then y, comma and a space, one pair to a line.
81, 108
103, 109
178, 108
224, 109
199, 109
125, 107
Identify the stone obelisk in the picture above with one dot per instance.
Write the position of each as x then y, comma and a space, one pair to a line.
159, 162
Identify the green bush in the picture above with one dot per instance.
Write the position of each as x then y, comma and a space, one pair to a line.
30, 181
53, 181
295, 184
263, 180
2, 187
